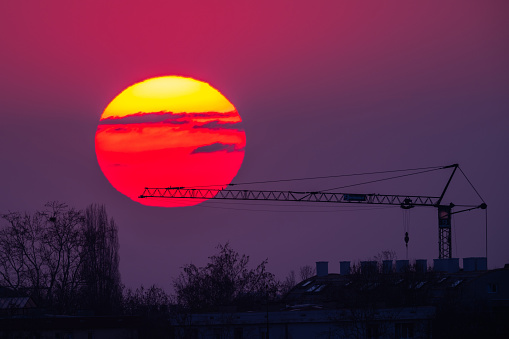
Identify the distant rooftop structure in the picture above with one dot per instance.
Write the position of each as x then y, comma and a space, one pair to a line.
16, 305
373, 300
406, 285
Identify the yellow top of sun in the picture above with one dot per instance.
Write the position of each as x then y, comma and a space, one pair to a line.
168, 94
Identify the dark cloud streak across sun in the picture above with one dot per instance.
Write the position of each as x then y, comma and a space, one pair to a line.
166, 117
221, 125
217, 147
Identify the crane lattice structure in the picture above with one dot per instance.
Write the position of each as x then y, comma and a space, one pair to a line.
404, 201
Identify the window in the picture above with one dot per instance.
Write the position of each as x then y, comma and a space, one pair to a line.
218, 333
420, 284
492, 288
319, 288
312, 288
238, 333
315, 288
373, 331
404, 331
456, 283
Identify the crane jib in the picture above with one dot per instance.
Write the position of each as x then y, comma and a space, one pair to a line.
404, 201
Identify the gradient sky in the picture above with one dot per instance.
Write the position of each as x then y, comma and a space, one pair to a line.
323, 88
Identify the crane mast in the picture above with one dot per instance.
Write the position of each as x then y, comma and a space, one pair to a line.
404, 201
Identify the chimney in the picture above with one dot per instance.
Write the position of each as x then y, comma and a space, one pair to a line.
421, 265
344, 267
387, 266
449, 265
475, 264
322, 268
401, 266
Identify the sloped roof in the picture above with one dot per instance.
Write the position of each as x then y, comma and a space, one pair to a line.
16, 303
385, 290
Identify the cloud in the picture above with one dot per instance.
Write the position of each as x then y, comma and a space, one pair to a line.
211, 115
221, 125
121, 129
166, 117
175, 121
217, 147
143, 117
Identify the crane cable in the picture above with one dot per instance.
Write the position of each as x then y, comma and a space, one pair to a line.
290, 211
455, 239
422, 169
485, 212
384, 179
471, 185
406, 228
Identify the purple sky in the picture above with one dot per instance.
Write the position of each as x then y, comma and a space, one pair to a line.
323, 88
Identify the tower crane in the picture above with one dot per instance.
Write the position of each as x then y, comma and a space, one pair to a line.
445, 211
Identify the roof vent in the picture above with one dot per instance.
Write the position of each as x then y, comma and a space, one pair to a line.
449, 265
322, 268
421, 265
402, 266
387, 266
475, 264
344, 267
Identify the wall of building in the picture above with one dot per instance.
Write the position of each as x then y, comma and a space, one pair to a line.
306, 324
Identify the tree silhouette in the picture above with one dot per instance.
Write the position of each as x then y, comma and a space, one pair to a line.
146, 301
100, 270
65, 259
40, 254
288, 283
225, 281
307, 272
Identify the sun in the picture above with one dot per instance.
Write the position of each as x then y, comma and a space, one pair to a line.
169, 131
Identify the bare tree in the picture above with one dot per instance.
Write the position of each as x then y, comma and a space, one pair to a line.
225, 281
100, 270
64, 243
307, 272
288, 283
146, 301
40, 254
63, 258
152, 304
385, 255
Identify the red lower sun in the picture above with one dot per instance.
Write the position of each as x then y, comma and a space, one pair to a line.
169, 131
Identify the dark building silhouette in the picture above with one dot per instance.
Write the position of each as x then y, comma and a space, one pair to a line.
374, 300
386, 299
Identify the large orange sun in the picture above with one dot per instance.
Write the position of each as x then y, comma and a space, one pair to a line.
169, 131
